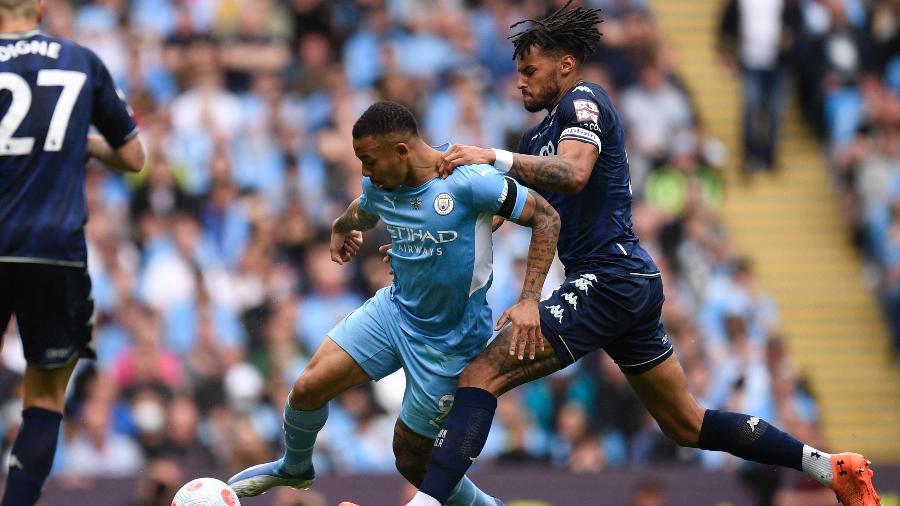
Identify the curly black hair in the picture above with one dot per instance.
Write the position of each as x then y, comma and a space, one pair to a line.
572, 31
385, 117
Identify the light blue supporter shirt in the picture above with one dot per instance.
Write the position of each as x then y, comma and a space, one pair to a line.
441, 252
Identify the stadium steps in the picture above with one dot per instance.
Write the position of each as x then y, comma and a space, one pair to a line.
790, 225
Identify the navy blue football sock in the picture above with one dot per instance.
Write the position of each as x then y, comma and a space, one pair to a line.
749, 438
32, 456
460, 441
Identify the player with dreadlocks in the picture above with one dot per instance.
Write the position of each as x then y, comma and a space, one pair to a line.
613, 293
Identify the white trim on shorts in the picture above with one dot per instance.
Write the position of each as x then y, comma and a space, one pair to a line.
43, 261
648, 361
641, 275
563, 341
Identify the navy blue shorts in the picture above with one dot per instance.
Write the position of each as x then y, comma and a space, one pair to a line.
54, 311
619, 313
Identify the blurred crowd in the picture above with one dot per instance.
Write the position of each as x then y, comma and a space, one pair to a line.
844, 57
860, 87
212, 279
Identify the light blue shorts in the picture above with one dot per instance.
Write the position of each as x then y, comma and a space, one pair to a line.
373, 337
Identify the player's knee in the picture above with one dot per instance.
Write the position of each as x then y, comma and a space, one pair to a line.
484, 375
304, 395
683, 436
682, 429
409, 466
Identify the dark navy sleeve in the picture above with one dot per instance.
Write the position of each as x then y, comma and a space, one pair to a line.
111, 114
582, 118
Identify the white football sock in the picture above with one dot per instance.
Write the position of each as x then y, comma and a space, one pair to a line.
423, 499
817, 465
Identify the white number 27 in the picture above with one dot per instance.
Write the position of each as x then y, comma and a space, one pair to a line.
71, 83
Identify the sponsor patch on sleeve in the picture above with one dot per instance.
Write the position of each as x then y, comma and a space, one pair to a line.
582, 115
580, 134
586, 111
585, 105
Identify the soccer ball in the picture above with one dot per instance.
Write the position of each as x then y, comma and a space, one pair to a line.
205, 492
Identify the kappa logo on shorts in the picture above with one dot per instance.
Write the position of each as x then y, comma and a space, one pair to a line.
572, 299
556, 311
583, 283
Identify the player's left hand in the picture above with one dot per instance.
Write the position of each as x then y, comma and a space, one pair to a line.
461, 154
345, 246
526, 328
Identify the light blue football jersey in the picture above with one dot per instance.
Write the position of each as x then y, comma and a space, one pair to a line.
441, 252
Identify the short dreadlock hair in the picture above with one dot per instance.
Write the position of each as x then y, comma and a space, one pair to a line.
572, 31
383, 118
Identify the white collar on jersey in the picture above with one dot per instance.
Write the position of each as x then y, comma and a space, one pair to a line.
19, 35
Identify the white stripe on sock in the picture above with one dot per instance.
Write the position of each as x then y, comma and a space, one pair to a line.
817, 465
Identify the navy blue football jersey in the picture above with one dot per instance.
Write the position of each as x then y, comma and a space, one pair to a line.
596, 233
51, 91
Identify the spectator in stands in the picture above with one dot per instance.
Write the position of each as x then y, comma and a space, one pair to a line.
753, 38
654, 111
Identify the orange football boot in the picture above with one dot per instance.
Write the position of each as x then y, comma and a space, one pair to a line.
852, 480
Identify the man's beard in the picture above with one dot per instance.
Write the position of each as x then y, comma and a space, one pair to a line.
552, 91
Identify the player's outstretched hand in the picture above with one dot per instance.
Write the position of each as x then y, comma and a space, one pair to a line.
526, 328
345, 246
383, 249
460, 154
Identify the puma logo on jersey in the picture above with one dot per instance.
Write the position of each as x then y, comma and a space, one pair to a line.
390, 200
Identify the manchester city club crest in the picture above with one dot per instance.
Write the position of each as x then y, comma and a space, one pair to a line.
443, 204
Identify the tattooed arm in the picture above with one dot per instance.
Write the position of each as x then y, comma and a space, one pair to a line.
346, 232
565, 172
544, 222
354, 218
